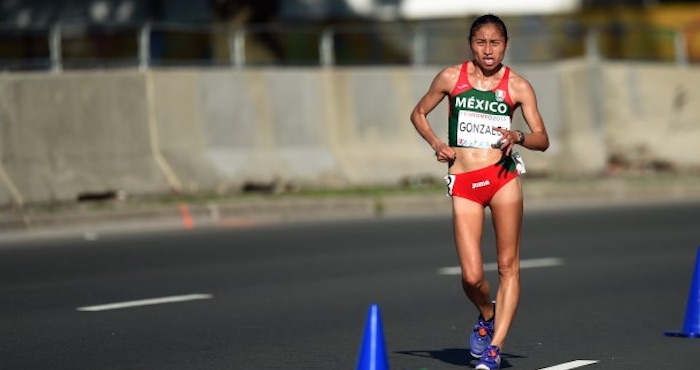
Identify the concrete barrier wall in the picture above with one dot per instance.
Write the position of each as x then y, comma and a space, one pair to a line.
176, 124
579, 137
62, 135
652, 115
74, 133
374, 133
267, 127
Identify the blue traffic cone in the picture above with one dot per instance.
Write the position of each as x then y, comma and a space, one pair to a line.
691, 324
373, 352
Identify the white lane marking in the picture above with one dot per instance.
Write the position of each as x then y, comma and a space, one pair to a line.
524, 264
570, 365
145, 302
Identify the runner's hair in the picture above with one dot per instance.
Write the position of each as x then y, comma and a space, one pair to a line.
488, 19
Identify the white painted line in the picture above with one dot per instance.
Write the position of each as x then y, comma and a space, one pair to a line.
145, 302
571, 365
524, 264
537, 263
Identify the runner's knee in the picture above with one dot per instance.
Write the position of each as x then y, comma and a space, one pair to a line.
509, 267
473, 280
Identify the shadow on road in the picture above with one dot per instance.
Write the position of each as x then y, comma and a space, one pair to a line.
456, 356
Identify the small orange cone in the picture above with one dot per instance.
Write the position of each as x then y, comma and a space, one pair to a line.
187, 222
691, 324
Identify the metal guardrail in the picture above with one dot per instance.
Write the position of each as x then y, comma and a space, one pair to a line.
89, 46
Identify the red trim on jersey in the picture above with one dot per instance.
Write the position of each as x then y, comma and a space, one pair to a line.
503, 85
463, 84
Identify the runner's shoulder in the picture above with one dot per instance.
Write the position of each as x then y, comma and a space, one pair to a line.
518, 84
448, 76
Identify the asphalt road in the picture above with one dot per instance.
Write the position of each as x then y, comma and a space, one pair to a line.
604, 284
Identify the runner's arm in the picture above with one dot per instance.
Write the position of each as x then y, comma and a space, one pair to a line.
441, 85
537, 138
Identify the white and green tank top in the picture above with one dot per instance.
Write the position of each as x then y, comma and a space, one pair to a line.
473, 113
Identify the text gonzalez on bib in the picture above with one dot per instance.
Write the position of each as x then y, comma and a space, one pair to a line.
475, 129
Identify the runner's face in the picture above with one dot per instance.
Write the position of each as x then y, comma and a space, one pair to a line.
488, 46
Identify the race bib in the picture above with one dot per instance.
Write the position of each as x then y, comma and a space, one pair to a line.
450, 181
475, 129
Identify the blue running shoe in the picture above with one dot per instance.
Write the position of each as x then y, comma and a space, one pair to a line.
480, 338
491, 359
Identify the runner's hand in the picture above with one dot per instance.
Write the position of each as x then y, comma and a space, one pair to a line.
444, 153
508, 139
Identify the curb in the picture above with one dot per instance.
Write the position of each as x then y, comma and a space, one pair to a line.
135, 216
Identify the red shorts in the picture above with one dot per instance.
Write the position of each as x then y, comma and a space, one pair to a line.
481, 185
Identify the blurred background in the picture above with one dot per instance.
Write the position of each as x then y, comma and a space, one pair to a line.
223, 96
42, 34
83, 34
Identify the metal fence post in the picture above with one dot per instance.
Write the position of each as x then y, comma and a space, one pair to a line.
418, 46
592, 51
326, 47
145, 46
681, 47
55, 48
237, 47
